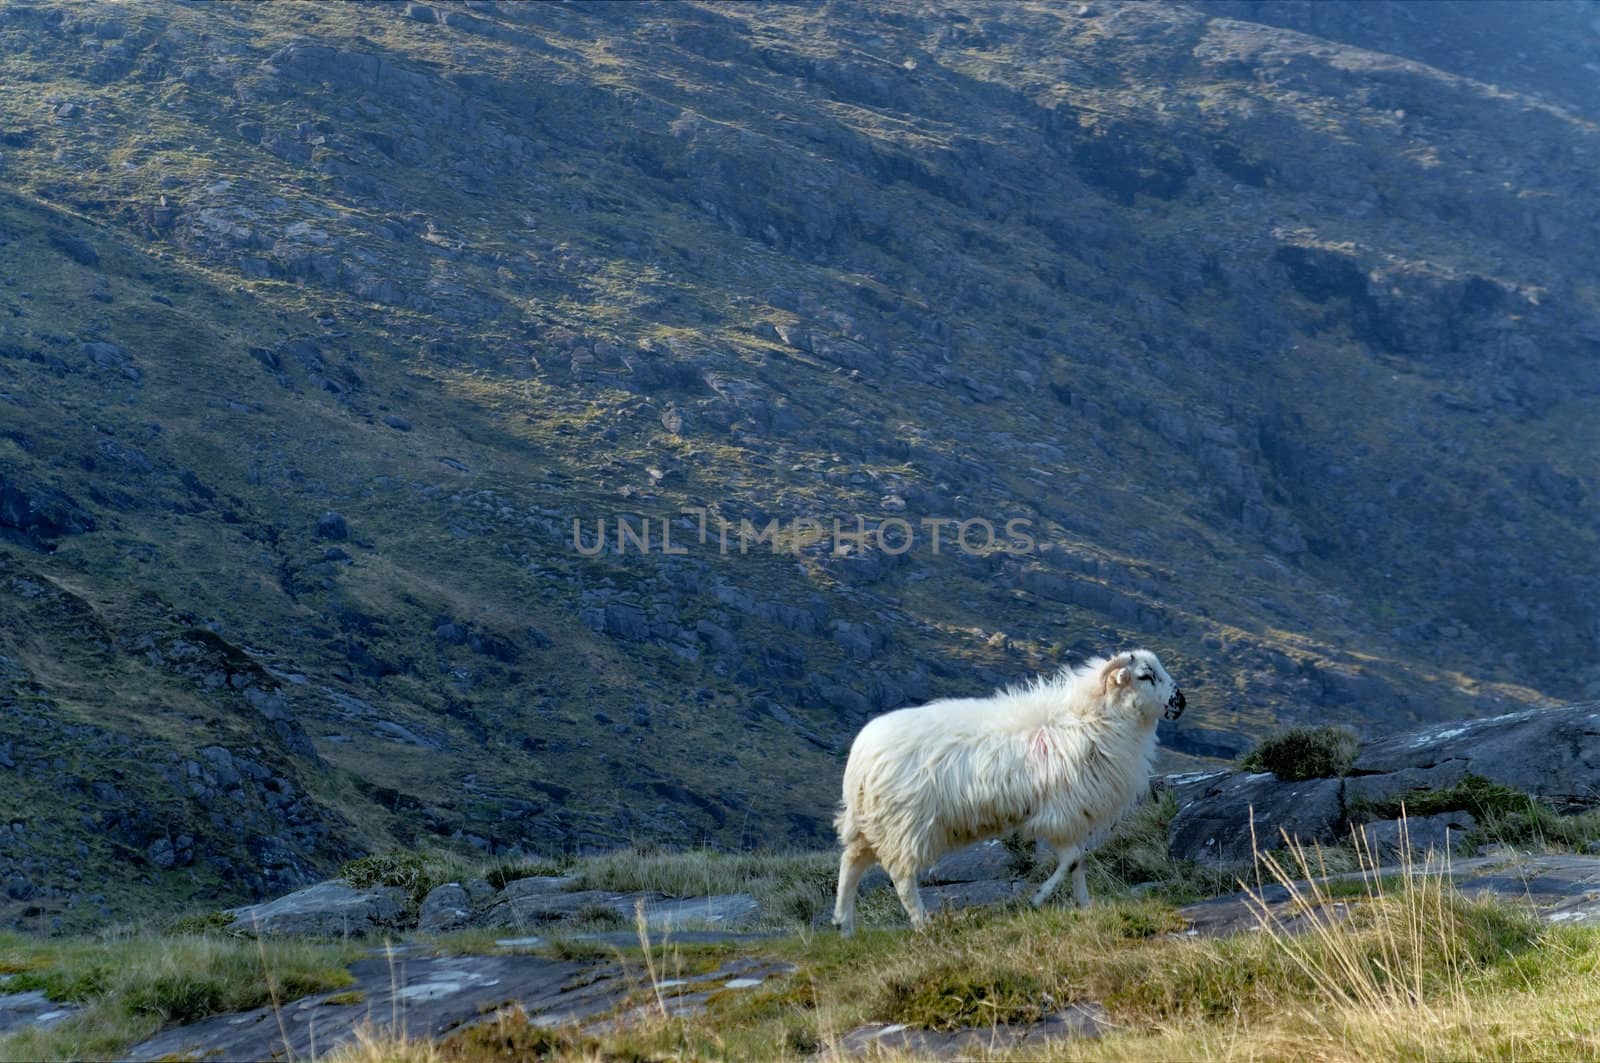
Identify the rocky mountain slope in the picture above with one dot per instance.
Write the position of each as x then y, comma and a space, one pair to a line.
320, 325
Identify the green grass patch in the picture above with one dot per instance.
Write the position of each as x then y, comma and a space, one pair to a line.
129, 986
500, 875
1471, 793
214, 922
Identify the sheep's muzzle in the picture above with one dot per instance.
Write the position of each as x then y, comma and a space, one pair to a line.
1175, 705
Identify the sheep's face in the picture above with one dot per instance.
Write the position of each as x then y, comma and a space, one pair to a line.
1140, 681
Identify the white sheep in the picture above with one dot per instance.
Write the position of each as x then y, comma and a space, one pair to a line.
1060, 759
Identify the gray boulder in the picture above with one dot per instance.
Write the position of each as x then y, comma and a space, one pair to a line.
530, 907
1445, 832
535, 885
445, 908
328, 909
1213, 822
987, 861
332, 525
536, 904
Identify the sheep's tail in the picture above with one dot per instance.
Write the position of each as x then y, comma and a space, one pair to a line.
845, 824
844, 821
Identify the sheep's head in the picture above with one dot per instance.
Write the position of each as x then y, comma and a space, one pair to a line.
1137, 677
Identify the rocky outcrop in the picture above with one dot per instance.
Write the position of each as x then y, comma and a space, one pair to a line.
1552, 754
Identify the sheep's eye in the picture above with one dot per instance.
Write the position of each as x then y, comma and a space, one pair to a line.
1148, 679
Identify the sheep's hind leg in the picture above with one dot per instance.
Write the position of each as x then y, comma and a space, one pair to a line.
857, 857
911, 898
1080, 884
1069, 861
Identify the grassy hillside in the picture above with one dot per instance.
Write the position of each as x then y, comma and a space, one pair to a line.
321, 324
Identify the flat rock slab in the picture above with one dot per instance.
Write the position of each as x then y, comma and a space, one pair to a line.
728, 909
328, 909
682, 997
533, 908
433, 996
1561, 887
1073, 1022
628, 939
19, 1011
423, 996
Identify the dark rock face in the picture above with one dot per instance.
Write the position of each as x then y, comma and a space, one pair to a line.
1553, 754
40, 515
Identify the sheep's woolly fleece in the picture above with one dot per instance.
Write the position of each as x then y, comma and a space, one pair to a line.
1060, 758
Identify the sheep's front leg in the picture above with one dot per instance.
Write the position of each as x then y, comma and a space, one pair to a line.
1080, 883
1069, 861
911, 898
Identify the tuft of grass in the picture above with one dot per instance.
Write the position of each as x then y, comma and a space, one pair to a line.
1538, 826
1137, 856
792, 887
213, 922
509, 1036
1471, 793
501, 874
1408, 945
373, 1044
952, 996
1305, 753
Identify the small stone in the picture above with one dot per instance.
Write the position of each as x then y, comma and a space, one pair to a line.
332, 525
162, 854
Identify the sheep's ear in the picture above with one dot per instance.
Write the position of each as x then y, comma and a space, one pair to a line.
1120, 677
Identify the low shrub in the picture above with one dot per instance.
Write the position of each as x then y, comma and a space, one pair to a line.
1305, 753
401, 869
